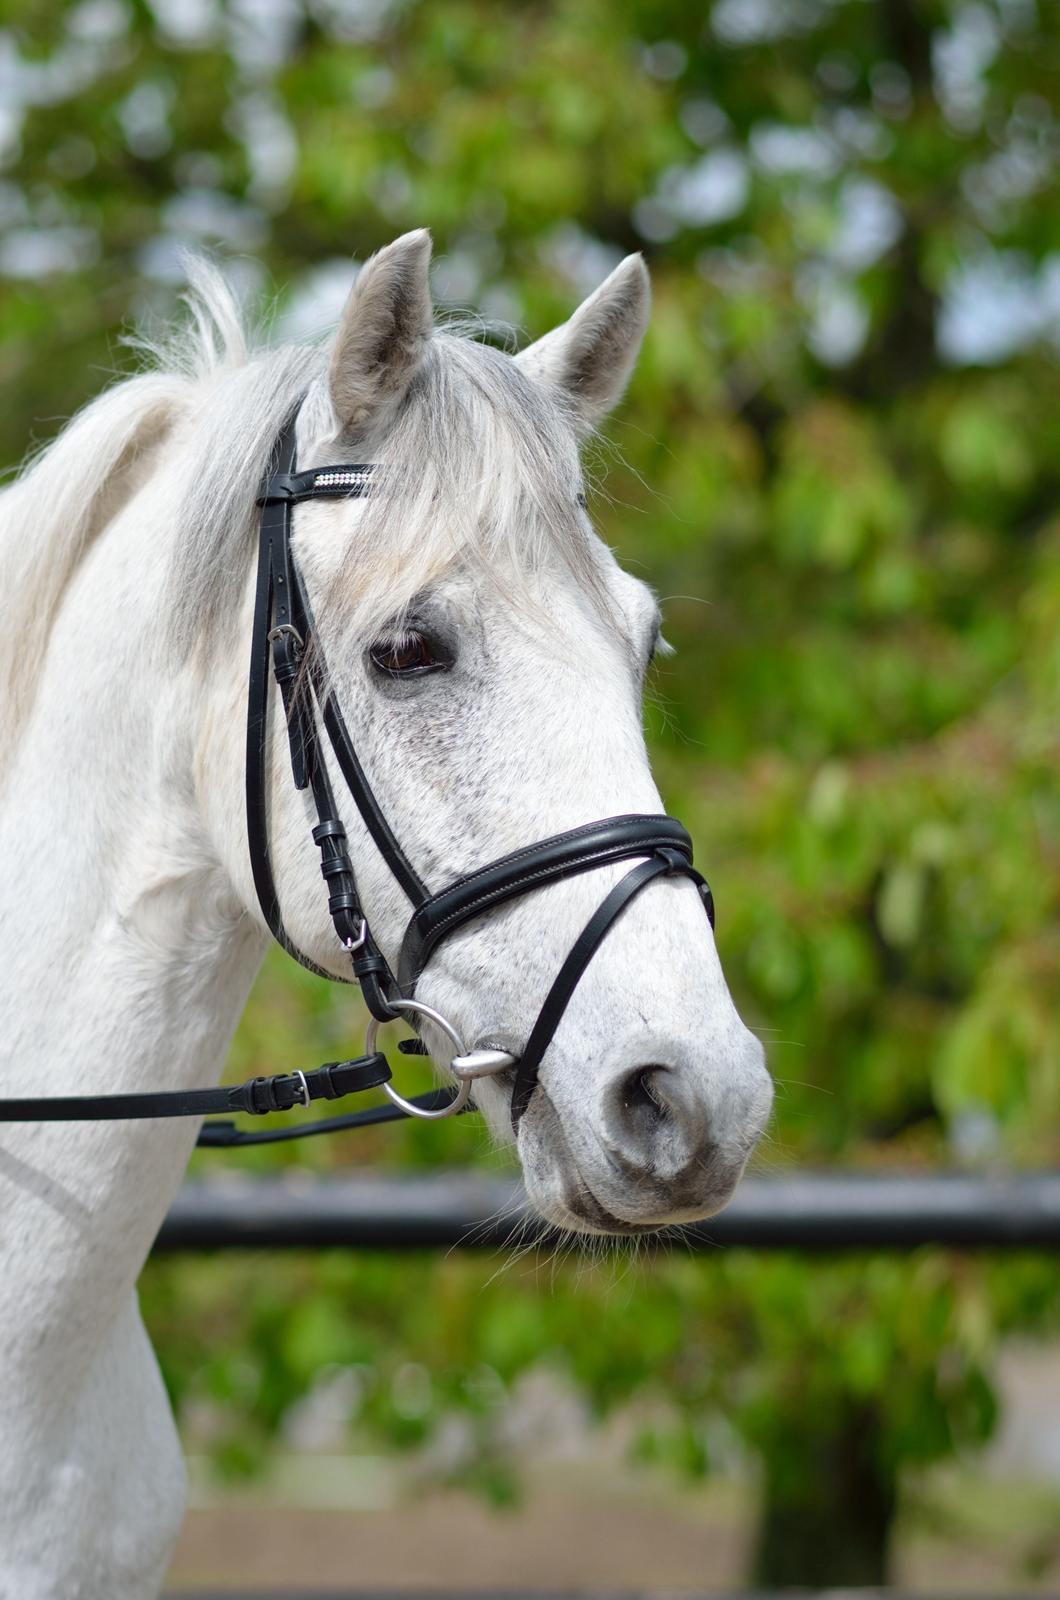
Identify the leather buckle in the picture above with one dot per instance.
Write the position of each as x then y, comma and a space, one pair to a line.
285, 628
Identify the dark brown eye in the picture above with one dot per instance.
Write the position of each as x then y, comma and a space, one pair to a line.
404, 653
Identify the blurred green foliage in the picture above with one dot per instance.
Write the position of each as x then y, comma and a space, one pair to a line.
838, 463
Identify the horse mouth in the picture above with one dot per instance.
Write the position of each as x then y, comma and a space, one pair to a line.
564, 1198
587, 1214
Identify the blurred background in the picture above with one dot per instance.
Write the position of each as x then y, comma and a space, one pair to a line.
838, 463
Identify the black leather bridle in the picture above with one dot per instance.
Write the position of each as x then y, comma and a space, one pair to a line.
286, 646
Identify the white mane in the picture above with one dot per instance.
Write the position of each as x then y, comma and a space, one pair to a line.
51, 514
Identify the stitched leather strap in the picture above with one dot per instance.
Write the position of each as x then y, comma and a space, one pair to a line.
282, 617
579, 850
353, 773
258, 1096
371, 814
225, 1135
581, 953
267, 606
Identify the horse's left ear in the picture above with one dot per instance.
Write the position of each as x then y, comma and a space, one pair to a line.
588, 360
383, 332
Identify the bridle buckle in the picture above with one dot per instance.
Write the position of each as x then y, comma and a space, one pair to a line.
285, 628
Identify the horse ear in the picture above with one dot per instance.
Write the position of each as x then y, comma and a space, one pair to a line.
588, 360
383, 331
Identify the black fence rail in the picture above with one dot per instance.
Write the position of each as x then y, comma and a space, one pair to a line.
830, 1211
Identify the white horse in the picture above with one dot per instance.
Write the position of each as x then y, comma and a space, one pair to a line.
129, 925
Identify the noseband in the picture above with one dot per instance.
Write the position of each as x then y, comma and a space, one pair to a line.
284, 630
286, 646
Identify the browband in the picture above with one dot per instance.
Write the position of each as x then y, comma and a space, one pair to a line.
316, 483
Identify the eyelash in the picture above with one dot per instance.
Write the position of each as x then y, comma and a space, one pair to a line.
408, 654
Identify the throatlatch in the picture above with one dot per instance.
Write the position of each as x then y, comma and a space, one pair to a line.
286, 646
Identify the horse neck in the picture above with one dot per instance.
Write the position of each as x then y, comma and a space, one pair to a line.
123, 944
126, 960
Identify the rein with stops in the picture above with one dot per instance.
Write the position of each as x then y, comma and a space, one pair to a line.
285, 645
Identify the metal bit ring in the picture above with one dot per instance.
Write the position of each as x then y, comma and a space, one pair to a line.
421, 1010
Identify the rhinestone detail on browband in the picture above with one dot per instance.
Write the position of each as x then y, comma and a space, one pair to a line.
328, 480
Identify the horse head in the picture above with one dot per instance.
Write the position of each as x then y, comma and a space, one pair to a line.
489, 656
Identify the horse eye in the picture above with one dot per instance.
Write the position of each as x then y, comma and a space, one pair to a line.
403, 655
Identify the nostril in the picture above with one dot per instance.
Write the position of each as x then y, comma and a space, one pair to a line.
640, 1095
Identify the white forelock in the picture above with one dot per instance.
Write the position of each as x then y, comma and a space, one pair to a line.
479, 467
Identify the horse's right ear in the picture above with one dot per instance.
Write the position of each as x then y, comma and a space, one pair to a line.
383, 332
587, 361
